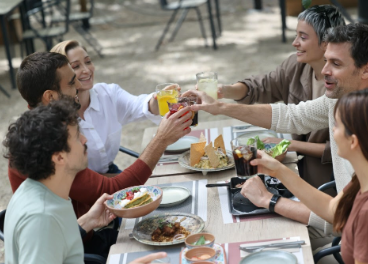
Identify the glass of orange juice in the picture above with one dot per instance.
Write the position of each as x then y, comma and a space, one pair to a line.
166, 93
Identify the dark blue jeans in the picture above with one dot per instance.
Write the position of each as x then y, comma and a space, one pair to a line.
113, 169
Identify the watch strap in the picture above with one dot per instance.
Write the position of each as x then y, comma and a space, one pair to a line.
273, 202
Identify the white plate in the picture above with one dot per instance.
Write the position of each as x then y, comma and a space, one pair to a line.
182, 144
270, 256
173, 195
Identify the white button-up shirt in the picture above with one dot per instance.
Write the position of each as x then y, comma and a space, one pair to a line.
110, 108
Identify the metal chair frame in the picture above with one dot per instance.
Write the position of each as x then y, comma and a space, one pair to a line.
335, 247
80, 22
186, 6
46, 31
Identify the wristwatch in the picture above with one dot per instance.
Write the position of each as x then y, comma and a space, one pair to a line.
273, 202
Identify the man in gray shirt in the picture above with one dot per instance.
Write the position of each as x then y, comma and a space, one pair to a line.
40, 223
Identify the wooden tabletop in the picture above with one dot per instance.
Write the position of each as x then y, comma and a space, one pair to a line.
243, 231
253, 230
210, 129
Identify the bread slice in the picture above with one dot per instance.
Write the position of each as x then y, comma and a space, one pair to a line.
219, 143
214, 161
196, 152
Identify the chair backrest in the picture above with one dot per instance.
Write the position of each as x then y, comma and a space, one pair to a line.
38, 11
2, 220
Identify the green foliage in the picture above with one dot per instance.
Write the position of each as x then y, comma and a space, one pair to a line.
306, 3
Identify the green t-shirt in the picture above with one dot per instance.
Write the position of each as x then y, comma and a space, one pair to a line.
41, 227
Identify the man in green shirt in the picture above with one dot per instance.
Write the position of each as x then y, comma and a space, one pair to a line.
40, 223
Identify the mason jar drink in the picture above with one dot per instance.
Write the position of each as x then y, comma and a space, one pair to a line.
207, 82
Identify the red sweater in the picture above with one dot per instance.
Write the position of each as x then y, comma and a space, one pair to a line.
88, 185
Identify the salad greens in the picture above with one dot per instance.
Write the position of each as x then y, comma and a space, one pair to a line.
275, 151
201, 241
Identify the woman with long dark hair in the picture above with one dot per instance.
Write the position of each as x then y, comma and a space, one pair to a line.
348, 211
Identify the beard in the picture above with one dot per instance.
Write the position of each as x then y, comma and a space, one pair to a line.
73, 100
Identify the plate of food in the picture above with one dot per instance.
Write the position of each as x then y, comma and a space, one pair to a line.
167, 229
277, 151
135, 201
207, 158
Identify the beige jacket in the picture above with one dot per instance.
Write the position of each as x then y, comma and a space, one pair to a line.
291, 83
305, 117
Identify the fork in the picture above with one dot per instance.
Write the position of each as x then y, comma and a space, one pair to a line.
258, 249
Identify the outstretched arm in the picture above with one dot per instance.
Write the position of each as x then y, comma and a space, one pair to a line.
171, 128
255, 190
258, 115
320, 203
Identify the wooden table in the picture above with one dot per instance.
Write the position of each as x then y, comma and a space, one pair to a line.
254, 230
271, 228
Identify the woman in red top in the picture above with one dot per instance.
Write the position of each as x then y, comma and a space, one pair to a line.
348, 211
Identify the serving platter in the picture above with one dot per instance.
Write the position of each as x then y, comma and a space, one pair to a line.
184, 161
143, 230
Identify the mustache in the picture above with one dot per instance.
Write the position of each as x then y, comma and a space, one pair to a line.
85, 148
330, 79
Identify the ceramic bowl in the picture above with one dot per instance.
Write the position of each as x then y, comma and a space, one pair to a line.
114, 206
194, 238
199, 251
279, 157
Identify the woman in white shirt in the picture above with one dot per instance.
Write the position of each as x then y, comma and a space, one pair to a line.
105, 108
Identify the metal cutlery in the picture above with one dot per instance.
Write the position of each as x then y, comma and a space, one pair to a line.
292, 244
171, 158
254, 250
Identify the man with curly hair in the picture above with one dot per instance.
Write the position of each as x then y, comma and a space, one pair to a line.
44, 77
41, 226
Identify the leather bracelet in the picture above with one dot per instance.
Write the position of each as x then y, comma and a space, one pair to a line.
273, 201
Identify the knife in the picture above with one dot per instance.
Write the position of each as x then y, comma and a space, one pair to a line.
296, 243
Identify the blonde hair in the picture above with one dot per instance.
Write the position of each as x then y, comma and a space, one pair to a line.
65, 46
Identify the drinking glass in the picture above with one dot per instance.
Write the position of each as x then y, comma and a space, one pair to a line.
166, 92
207, 82
183, 102
244, 150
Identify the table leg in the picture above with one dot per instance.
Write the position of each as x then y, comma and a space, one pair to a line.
4, 91
283, 19
212, 24
258, 4
7, 49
